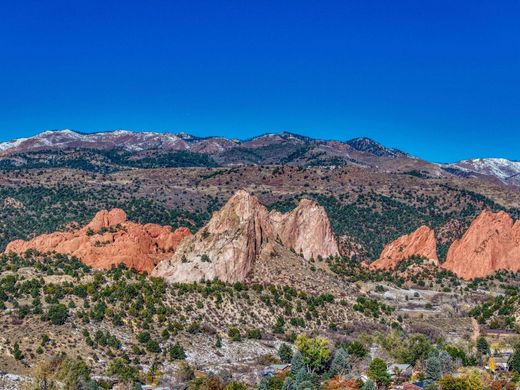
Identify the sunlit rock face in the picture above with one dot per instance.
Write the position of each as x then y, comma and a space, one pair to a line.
232, 241
108, 240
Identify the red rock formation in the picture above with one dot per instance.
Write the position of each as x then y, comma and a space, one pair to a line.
420, 243
233, 240
108, 240
491, 243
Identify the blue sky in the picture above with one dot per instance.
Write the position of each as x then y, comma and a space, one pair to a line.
439, 79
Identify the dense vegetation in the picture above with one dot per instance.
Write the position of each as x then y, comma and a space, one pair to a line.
500, 312
418, 271
135, 320
104, 161
47, 209
373, 220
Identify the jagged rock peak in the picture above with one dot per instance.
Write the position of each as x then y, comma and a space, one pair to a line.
241, 207
420, 243
306, 229
491, 243
232, 241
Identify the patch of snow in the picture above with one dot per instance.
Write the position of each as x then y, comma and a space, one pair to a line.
501, 168
12, 144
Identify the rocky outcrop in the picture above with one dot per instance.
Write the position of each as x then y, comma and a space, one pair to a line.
306, 229
225, 248
491, 243
12, 203
420, 243
233, 240
108, 240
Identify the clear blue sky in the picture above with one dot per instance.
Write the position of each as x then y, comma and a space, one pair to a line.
439, 79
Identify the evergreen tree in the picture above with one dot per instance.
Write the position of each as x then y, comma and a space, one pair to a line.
377, 371
16, 352
341, 364
482, 346
369, 385
297, 363
433, 370
301, 381
285, 353
176, 351
288, 384
447, 365
264, 384
300, 376
515, 359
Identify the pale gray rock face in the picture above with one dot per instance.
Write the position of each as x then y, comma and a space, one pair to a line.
230, 244
306, 229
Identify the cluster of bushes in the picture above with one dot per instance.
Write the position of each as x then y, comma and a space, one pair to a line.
422, 275
105, 161
499, 312
153, 310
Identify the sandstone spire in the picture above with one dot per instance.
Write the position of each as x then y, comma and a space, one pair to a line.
491, 243
306, 229
420, 243
230, 244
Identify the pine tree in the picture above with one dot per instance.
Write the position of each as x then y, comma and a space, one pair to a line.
17, 354
285, 353
264, 384
297, 363
482, 346
341, 364
176, 351
515, 359
447, 365
92, 385
369, 385
377, 371
300, 376
301, 381
287, 383
433, 369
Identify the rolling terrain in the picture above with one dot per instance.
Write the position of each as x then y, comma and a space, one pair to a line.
149, 255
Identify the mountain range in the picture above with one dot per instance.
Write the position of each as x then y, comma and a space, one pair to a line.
122, 149
131, 247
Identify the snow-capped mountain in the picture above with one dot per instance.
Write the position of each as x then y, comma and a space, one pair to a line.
506, 171
270, 148
141, 141
123, 139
